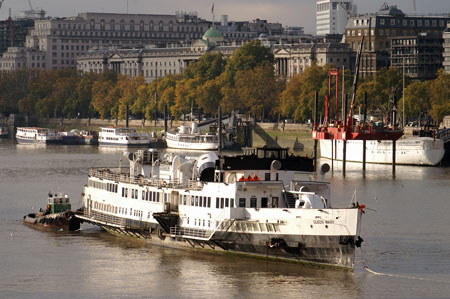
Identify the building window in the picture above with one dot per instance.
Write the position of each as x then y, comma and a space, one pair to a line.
92, 24
161, 26
405, 22
102, 25
150, 26
170, 26
412, 23
141, 26
242, 202
419, 23
253, 202
113, 25
381, 21
131, 25
392, 22
122, 25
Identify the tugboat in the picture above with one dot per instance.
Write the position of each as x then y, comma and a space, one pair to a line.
57, 216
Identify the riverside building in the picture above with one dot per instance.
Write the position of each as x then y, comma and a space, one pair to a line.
332, 16
446, 37
390, 35
54, 43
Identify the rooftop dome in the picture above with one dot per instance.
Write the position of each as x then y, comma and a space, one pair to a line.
212, 36
212, 33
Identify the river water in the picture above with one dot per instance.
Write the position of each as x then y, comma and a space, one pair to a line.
406, 236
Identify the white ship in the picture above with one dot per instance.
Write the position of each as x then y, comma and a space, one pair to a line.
122, 137
35, 135
409, 151
260, 204
192, 139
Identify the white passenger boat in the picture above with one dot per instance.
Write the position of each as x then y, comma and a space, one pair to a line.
35, 135
112, 136
261, 204
409, 151
192, 139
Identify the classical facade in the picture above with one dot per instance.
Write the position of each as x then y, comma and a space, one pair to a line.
294, 59
153, 63
387, 25
60, 40
332, 16
446, 54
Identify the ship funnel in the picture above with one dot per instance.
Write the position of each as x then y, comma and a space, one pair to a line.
205, 165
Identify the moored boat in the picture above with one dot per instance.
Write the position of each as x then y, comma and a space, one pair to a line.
76, 137
113, 136
409, 151
57, 216
191, 138
36, 135
262, 203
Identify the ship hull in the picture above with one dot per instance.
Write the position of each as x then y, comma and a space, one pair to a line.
414, 151
54, 222
37, 141
337, 251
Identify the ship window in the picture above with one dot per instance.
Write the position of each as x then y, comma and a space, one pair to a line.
222, 201
253, 202
217, 202
196, 201
209, 202
131, 211
267, 176
143, 195
231, 202
276, 177
264, 202
226, 202
165, 197
242, 202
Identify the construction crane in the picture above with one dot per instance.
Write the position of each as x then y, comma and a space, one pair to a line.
414, 5
29, 3
1, 2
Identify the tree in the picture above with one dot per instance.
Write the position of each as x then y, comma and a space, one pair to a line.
417, 99
247, 57
440, 96
259, 90
100, 100
381, 90
297, 101
208, 67
209, 96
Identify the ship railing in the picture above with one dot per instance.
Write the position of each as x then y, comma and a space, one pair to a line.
189, 233
105, 218
195, 185
123, 176
222, 224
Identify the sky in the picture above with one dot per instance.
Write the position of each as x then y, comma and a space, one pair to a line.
286, 12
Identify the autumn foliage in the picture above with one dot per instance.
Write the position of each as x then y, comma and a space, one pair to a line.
245, 81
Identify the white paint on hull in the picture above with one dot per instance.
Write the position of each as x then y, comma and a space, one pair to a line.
410, 151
